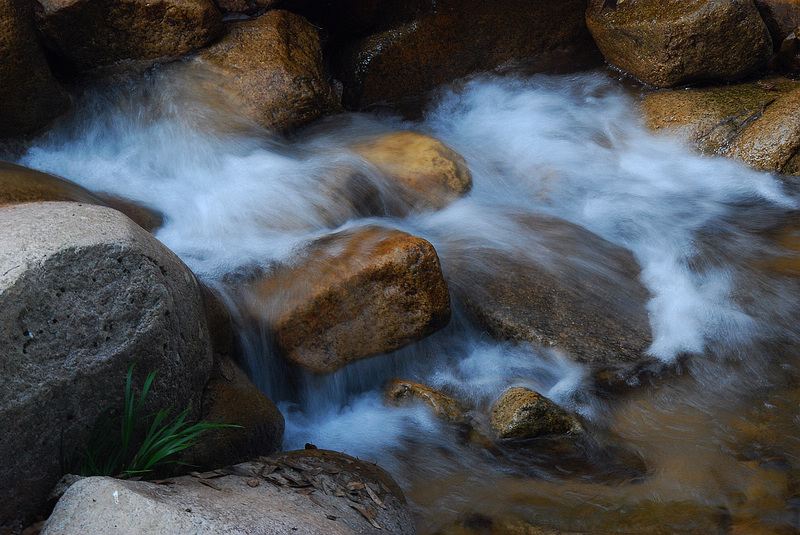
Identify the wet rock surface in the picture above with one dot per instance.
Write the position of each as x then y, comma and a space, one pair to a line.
30, 97
682, 41
274, 63
19, 184
91, 33
86, 293
451, 39
594, 311
299, 492
523, 413
352, 295
230, 398
425, 174
752, 122
399, 392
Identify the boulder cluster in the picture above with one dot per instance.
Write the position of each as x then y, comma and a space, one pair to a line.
87, 291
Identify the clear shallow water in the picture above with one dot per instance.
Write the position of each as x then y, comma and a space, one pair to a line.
236, 198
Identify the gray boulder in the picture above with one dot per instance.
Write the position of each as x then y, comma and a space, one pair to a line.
85, 293
306, 492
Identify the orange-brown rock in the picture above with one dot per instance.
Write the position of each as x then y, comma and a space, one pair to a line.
231, 398
93, 33
445, 407
273, 67
523, 413
19, 184
425, 174
451, 39
30, 97
353, 295
753, 122
780, 16
681, 41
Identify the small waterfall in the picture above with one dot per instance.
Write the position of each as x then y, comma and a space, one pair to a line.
238, 200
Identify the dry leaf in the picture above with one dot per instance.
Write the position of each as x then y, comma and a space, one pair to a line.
354, 486
164, 481
374, 496
208, 483
253, 482
368, 514
305, 492
330, 517
314, 500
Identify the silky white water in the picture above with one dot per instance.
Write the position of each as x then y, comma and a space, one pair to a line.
236, 198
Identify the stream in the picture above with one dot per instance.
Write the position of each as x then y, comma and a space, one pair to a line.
711, 445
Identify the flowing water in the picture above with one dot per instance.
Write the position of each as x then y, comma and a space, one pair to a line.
712, 446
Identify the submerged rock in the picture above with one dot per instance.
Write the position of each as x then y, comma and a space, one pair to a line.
30, 98
445, 407
523, 413
19, 184
299, 492
571, 290
681, 42
425, 174
352, 295
94, 33
85, 294
273, 66
753, 122
449, 39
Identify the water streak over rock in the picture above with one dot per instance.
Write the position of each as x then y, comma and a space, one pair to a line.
273, 65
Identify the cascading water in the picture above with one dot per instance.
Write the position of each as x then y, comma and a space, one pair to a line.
237, 199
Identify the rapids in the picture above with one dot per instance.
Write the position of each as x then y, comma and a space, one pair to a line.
718, 434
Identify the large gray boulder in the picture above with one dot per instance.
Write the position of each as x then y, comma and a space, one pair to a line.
306, 492
30, 97
85, 293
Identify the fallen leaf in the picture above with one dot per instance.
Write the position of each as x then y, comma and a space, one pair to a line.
368, 514
253, 482
164, 481
305, 492
330, 517
374, 496
314, 500
208, 483
355, 486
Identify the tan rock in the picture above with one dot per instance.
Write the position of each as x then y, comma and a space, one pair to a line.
428, 175
274, 68
259, 498
523, 413
442, 405
554, 298
353, 295
681, 42
30, 97
754, 122
19, 184
450, 39
93, 33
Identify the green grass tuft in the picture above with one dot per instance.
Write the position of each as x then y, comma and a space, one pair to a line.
111, 450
